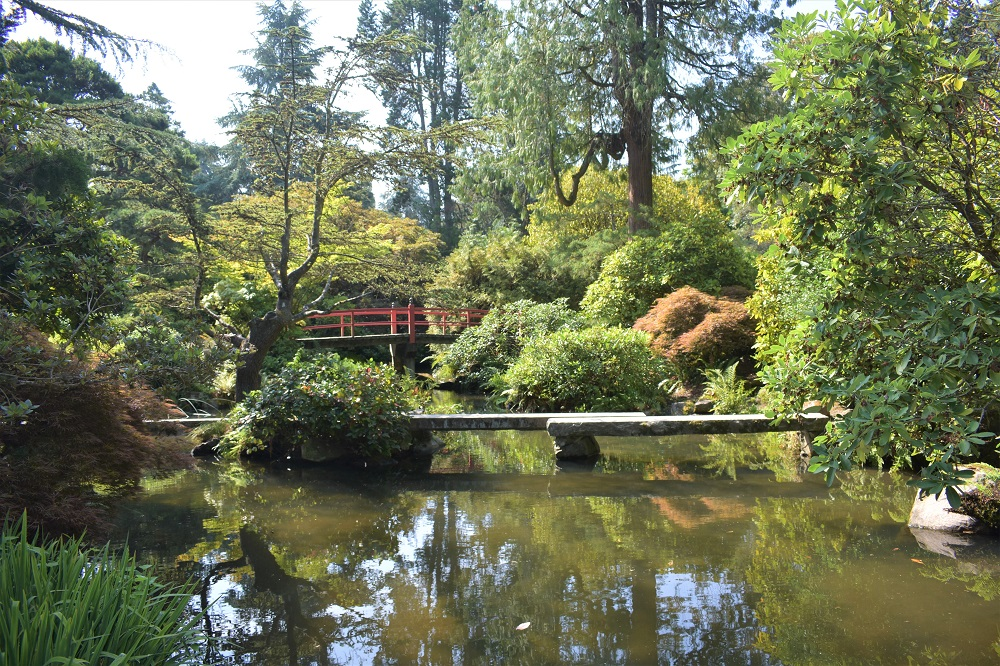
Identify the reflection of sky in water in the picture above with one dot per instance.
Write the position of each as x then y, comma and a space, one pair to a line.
612, 570
691, 609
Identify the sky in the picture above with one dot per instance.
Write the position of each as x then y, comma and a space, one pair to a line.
201, 41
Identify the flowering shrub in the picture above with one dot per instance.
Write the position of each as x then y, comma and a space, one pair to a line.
594, 369
694, 330
358, 407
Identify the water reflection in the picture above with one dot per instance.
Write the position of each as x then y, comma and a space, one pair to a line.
647, 558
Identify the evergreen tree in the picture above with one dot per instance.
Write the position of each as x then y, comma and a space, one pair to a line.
428, 93
575, 81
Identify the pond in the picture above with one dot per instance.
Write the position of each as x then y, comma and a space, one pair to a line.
494, 554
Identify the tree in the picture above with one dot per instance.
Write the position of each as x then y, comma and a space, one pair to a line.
53, 74
879, 194
301, 148
584, 80
91, 34
433, 95
60, 265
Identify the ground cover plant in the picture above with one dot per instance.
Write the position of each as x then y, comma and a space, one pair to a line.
68, 604
359, 408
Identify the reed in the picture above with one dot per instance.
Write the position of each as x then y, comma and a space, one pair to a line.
68, 604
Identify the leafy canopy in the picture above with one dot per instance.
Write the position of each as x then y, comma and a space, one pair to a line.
880, 193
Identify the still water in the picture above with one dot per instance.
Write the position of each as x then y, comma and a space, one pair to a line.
666, 551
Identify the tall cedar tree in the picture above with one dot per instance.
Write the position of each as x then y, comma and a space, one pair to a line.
584, 80
433, 95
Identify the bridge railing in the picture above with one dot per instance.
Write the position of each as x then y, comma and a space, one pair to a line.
410, 320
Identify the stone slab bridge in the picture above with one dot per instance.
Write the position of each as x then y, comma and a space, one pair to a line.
402, 328
575, 435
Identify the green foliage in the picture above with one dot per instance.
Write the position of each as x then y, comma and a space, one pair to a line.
485, 351
730, 394
503, 266
883, 221
361, 408
701, 253
693, 330
67, 604
60, 265
54, 75
592, 369
166, 360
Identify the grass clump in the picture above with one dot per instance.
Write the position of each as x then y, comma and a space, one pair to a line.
66, 604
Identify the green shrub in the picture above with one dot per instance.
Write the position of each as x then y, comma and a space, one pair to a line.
357, 407
171, 363
484, 351
64, 604
694, 330
594, 369
703, 254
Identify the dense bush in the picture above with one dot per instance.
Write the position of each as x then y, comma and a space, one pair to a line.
702, 253
484, 351
66, 431
593, 369
64, 604
358, 408
694, 330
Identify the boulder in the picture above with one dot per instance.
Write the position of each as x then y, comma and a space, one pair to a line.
934, 513
206, 449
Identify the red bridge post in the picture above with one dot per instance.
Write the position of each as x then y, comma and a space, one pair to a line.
413, 326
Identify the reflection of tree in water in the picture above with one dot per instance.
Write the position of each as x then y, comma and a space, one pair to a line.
813, 565
360, 570
386, 567
778, 452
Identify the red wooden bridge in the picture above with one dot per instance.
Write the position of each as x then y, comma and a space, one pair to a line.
402, 328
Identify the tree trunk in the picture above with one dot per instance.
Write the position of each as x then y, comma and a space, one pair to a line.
639, 143
264, 332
